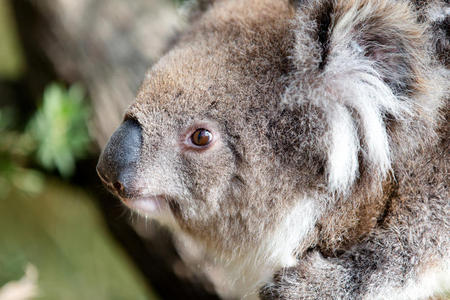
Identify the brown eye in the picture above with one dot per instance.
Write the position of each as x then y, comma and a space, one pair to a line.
201, 137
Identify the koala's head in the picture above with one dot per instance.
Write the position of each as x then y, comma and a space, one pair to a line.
262, 104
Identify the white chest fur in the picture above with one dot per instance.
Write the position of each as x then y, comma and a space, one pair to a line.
244, 273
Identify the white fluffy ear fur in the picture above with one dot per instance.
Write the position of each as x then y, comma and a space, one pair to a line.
361, 100
359, 75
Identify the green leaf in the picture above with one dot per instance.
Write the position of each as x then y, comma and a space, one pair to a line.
59, 128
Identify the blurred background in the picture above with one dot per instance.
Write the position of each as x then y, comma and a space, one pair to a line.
68, 70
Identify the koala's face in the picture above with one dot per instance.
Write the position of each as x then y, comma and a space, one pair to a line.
261, 105
207, 140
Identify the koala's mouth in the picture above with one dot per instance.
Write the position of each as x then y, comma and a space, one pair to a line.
147, 205
144, 204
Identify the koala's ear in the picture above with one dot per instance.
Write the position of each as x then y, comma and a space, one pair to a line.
362, 60
384, 33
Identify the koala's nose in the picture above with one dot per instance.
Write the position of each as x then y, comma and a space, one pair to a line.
117, 165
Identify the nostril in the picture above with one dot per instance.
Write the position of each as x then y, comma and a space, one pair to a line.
119, 187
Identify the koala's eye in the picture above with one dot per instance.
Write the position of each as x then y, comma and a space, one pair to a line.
201, 137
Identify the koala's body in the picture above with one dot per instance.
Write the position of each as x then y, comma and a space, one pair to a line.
304, 145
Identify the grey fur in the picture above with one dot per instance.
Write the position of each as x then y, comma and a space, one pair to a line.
279, 202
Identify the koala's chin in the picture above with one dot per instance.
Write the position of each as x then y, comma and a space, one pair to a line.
302, 144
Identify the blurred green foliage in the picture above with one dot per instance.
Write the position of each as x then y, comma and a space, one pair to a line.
60, 232
57, 135
59, 128
15, 150
46, 222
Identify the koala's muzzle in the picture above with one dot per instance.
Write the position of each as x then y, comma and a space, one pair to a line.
117, 166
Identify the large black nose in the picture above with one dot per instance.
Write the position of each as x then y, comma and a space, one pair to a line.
117, 166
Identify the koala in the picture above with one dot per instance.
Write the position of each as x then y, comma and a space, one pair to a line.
303, 144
